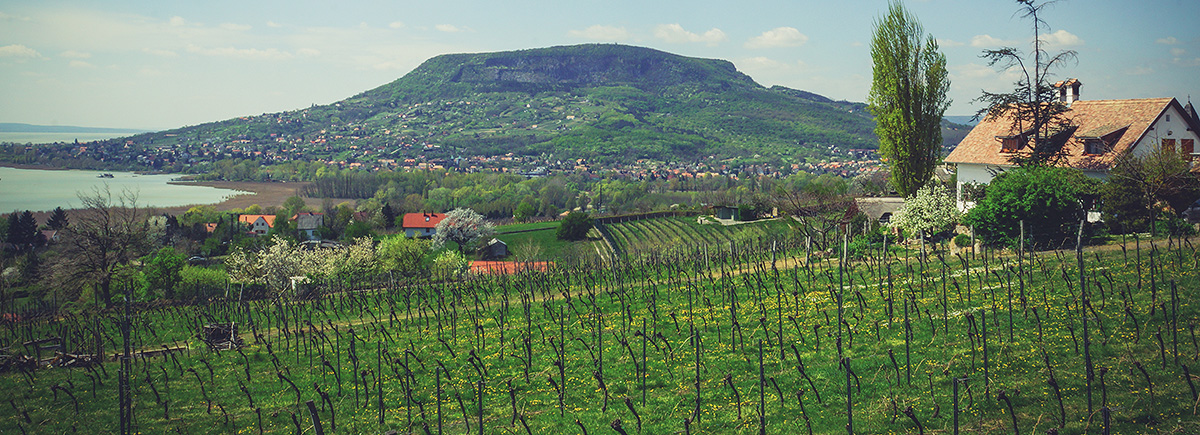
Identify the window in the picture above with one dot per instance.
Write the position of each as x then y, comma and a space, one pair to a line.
1168, 117
1188, 148
1168, 145
1094, 147
1010, 144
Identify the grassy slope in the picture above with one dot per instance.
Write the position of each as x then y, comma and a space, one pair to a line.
671, 298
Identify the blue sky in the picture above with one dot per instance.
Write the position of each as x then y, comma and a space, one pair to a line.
163, 64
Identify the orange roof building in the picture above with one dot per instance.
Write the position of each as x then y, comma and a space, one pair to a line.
421, 224
1101, 132
260, 224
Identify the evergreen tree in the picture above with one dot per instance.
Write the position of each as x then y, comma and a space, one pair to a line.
12, 234
58, 219
30, 235
388, 215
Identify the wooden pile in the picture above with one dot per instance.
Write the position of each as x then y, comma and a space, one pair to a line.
221, 336
70, 360
10, 362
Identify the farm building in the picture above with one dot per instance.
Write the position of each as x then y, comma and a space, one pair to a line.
421, 224
1100, 132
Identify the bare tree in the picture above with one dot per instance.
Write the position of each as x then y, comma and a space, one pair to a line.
108, 232
1037, 116
820, 210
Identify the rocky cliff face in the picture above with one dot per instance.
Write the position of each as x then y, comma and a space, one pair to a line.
605, 68
572, 66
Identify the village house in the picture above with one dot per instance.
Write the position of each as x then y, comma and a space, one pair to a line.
260, 224
493, 249
1101, 132
421, 224
307, 224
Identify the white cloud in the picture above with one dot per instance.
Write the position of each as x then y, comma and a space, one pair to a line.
396, 24
600, 33
274, 25
1062, 38
1176, 51
235, 27
1170, 40
72, 54
18, 51
675, 34
308, 52
949, 43
778, 37
79, 64
988, 41
1188, 62
973, 71
160, 52
7, 17
761, 62
448, 28
1140, 71
240, 53
177, 21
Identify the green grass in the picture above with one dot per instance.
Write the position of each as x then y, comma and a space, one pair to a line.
527, 226
656, 235
680, 297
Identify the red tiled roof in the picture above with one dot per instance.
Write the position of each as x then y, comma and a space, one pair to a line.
250, 218
422, 220
307, 213
508, 267
1091, 118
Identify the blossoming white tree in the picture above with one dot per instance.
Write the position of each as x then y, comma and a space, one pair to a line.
275, 265
931, 210
464, 227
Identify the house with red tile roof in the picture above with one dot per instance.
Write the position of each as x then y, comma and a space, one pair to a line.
260, 224
1101, 132
421, 224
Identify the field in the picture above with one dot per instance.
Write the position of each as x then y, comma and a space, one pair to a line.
651, 235
736, 337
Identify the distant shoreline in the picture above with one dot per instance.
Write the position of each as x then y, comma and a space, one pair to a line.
39, 167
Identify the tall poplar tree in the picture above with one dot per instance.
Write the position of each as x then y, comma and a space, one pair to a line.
908, 98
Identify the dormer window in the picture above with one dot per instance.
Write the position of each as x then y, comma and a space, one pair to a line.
1094, 146
1011, 144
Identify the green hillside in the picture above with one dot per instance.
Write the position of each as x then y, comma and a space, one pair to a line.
606, 102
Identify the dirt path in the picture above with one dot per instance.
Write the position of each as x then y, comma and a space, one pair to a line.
263, 194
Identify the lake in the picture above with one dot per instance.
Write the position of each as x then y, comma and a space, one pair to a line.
27, 137
43, 190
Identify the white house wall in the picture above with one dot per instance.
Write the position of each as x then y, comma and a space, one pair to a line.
969, 173
1176, 129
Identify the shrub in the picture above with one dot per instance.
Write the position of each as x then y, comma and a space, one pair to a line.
200, 282
1048, 199
449, 263
962, 240
575, 226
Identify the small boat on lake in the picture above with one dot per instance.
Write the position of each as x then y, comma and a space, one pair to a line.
105, 175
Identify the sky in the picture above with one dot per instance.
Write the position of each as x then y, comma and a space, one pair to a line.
160, 64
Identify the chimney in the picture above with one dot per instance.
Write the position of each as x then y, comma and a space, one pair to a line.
1068, 91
